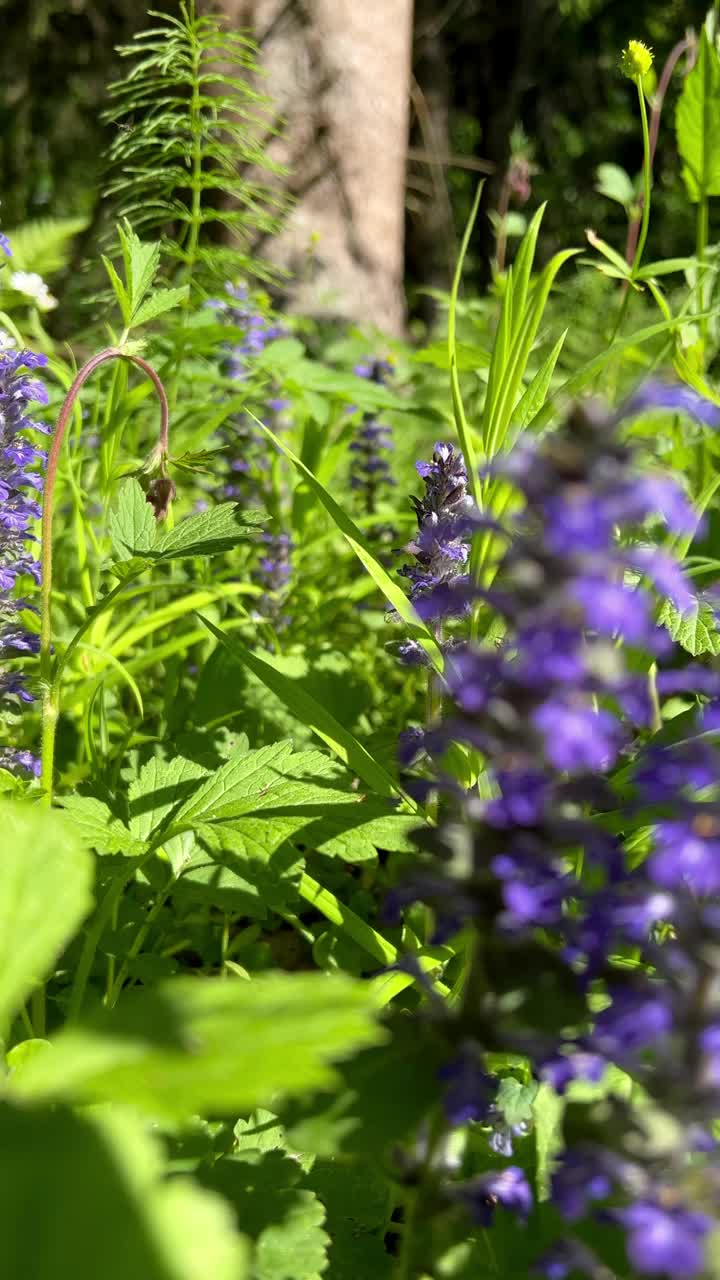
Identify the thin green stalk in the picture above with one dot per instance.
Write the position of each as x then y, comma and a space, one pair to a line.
138, 940
647, 180
701, 240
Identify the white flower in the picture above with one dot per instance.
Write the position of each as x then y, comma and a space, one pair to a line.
33, 286
7, 342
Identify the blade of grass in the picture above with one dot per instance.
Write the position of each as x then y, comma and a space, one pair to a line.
354, 538
461, 424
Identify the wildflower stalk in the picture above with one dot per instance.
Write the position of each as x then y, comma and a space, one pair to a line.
647, 178
50, 706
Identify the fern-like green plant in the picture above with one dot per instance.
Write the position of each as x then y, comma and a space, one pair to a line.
189, 153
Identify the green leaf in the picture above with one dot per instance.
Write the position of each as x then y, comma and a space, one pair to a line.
310, 712
195, 1045
695, 629
160, 301
516, 1100
467, 358
356, 541
141, 261
118, 1216
284, 1219
615, 182
697, 122
613, 257
44, 245
45, 893
208, 533
161, 787
132, 525
535, 393
358, 1202
97, 827
119, 290
237, 787
461, 424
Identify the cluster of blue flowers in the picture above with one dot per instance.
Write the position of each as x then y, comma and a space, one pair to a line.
370, 473
18, 510
445, 516
539, 866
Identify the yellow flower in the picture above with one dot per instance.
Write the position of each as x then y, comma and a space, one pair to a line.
636, 60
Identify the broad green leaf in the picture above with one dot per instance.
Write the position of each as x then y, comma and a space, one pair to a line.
141, 261
697, 122
281, 1215
310, 712
392, 592
516, 1100
97, 827
695, 629
615, 183
209, 532
195, 1045
118, 1216
132, 525
161, 787
45, 893
358, 1200
665, 267
468, 359
237, 787
160, 301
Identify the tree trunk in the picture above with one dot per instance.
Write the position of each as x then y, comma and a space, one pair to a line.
339, 74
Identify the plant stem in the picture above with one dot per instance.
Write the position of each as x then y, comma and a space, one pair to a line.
702, 231
50, 690
647, 180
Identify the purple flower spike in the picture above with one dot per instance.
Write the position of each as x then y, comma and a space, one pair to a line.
5, 246
17, 513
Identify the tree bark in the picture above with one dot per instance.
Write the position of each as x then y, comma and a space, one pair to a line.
339, 74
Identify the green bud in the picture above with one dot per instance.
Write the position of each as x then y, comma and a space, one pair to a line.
636, 60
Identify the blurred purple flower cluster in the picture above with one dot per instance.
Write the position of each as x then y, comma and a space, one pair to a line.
538, 865
18, 509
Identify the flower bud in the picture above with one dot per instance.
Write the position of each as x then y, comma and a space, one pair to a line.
636, 60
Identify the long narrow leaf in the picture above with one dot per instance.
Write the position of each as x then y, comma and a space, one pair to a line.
461, 424
355, 539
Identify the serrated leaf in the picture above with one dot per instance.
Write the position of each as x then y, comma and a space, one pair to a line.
195, 1045
697, 122
160, 301
118, 1216
695, 629
46, 878
285, 1219
132, 525
208, 533
96, 825
516, 1100
160, 788
236, 787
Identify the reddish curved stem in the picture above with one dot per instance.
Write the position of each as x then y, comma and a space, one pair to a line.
49, 708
